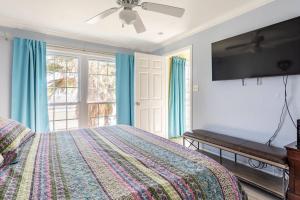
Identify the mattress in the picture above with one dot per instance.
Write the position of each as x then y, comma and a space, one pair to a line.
116, 162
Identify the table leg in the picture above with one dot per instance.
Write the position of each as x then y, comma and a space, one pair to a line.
235, 158
284, 184
221, 157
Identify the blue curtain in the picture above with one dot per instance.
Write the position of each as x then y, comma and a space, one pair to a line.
29, 84
125, 88
177, 97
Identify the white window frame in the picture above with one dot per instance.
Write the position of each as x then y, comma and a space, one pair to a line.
83, 67
98, 59
64, 54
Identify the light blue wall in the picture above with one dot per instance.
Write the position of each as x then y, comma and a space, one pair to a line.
250, 112
6, 57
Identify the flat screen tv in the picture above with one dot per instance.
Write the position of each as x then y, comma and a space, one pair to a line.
269, 51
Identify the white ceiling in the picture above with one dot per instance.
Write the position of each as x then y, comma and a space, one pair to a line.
67, 18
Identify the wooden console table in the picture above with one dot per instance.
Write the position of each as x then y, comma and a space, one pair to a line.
273, 156
293, 154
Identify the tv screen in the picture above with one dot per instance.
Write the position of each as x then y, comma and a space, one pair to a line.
269, 51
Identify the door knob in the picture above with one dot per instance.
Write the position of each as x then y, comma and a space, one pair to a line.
137, 103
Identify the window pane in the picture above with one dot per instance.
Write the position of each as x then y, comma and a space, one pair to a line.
60, 95
114, 110
93, 95
59, 80
101, 93
111, 95
111, 70
51, 128
49, 58
53, 66
73, 124
60, 125
60, 112
111, 82
51, 113
93, 68
93, 122
102, 68
101, 83
50, 79
105, 109
107, 121
60, 63
101, 121
93, 110
51, 95
72, 65
72, 80
72, 95
113, 121
102, 96
104, 113
73, 112
93, 81
63, 83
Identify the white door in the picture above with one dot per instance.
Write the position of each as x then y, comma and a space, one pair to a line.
150, 93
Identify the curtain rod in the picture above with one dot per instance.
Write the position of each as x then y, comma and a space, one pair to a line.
6, 36
61, 47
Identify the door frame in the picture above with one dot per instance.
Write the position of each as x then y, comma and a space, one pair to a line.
167, 56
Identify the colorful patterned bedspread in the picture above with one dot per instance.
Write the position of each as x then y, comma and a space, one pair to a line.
117, 162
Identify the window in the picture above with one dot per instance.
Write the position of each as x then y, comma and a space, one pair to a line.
81, 90
101, 93
63, 92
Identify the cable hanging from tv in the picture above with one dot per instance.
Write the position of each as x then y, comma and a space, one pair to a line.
285, 109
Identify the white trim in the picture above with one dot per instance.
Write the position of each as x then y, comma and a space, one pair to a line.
14, 23
235, 13
103, 58
77, 51
177, 51
19, 24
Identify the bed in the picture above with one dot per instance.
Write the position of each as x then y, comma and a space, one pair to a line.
116, 162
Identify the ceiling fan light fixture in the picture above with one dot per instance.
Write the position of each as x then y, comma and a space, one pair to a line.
127, 16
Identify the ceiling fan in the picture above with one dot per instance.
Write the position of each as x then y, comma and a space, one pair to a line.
255, 44
129, 16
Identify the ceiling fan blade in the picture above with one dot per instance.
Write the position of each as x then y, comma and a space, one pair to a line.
164, 9
239, 46
102, 15
138, 24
